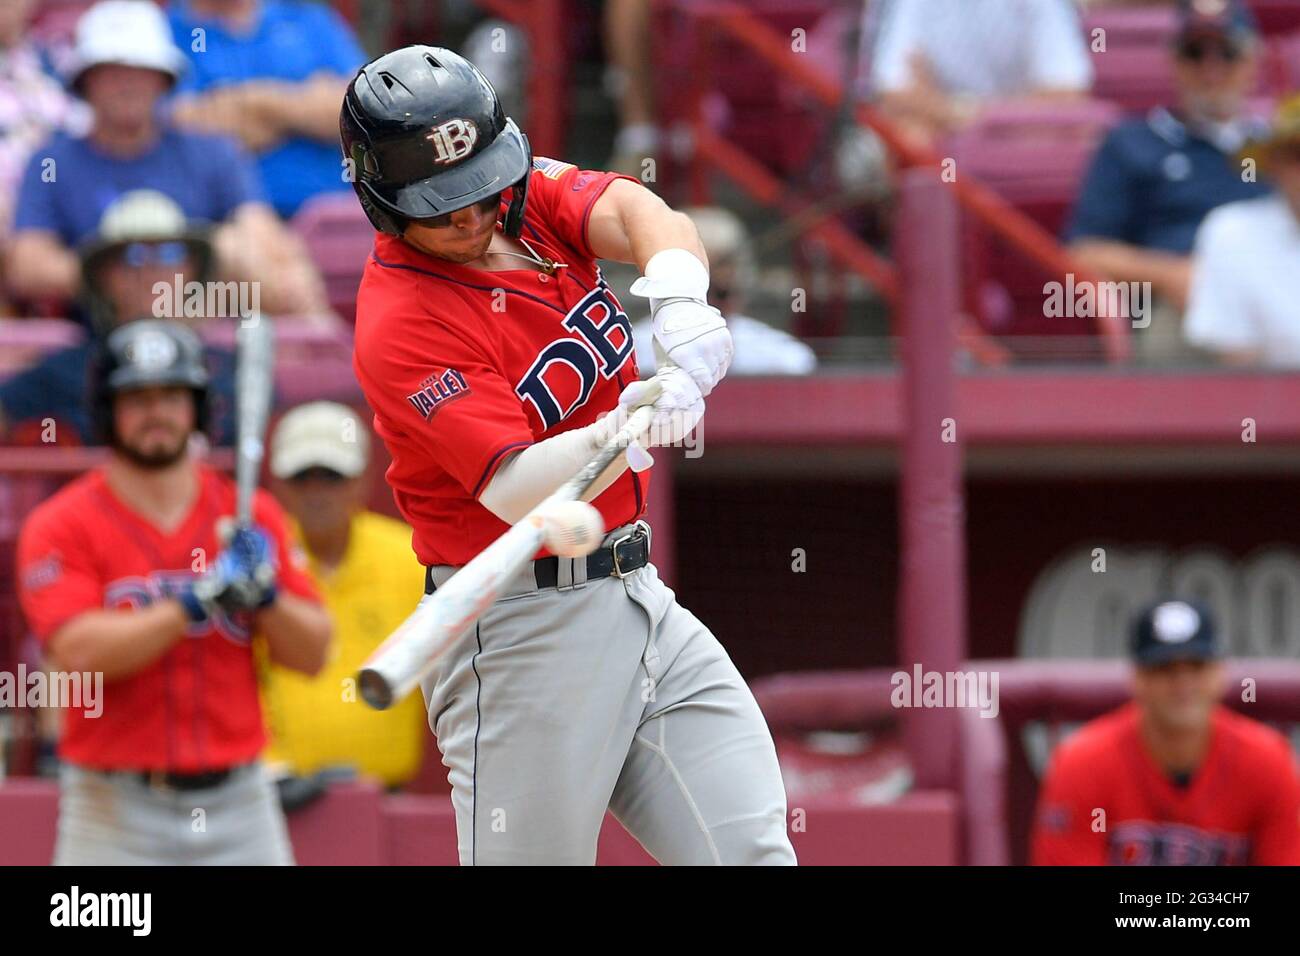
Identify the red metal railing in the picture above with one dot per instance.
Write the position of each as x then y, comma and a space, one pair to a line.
1022, 233
548, 73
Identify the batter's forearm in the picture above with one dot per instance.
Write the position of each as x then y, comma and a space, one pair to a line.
118, 643
528, 477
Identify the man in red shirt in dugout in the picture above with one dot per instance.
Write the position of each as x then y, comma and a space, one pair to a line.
1174, 777
128, 584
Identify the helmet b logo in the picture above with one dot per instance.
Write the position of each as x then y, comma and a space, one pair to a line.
453, 140
152, 350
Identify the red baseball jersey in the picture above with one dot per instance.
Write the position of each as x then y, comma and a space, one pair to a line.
463, 366
194, 708
1241, 807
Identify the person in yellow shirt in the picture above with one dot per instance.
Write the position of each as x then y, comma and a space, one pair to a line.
365, 571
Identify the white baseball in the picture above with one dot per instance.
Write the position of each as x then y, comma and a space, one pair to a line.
572, 529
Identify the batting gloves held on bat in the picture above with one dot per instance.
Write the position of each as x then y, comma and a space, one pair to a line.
678, 409
242, 578
688, 331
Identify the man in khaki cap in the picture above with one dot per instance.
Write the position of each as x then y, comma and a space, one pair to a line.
362, 564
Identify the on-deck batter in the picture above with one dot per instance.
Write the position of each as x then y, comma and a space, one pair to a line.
491, 352
111, 581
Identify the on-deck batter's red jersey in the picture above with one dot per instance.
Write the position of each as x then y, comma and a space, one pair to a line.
194, 708
1241, 807
463, 366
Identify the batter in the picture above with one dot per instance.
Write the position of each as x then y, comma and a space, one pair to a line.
496, 360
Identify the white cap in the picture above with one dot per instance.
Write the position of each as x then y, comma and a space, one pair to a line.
142, 214
127, 33
320, 435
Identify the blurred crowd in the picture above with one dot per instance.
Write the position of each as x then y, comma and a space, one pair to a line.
168, 146
1197, 197
143, 142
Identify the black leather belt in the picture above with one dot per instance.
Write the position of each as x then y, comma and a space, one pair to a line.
619, 559
203, 780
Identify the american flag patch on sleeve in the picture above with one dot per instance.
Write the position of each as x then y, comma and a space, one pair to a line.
551, 168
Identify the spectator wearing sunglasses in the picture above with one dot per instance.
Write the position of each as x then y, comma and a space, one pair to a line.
1247, 279
125, 65
1154, 180
142, 240
363, 565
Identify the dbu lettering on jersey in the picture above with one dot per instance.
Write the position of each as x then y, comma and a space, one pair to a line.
566, 371
436, 391
1144, 843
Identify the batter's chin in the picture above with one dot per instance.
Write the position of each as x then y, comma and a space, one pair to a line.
462, 257
153, 455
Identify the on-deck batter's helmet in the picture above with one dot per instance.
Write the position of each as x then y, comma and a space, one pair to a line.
145, 353
426, 135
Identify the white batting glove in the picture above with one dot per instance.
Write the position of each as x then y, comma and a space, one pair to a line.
695, 338
678, 409
688, 331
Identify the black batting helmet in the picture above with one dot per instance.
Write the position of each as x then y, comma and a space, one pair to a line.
145, 353
426, 135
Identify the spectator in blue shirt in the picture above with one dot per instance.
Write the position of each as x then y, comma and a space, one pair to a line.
271, 73
1154, 180
143, 240
125, 64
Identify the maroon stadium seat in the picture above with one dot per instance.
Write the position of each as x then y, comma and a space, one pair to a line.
29, 812
1032, 153
343, 828
1276, 16
745, 94
1034, 157
828, 53
1282, 67
339, 239
1135, 70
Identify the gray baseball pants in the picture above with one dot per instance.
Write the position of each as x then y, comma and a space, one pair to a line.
116, 819
603, 694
